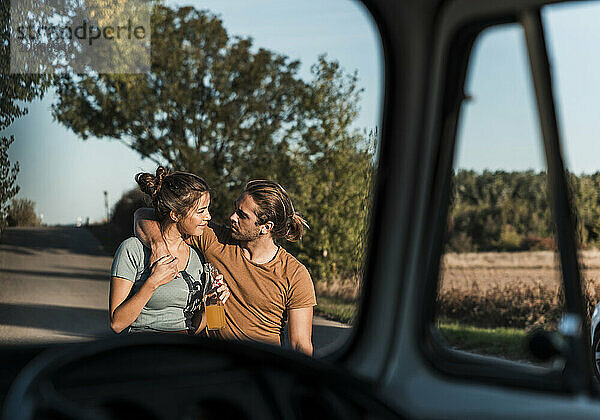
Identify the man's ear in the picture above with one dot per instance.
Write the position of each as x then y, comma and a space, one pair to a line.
266, 228
173, 216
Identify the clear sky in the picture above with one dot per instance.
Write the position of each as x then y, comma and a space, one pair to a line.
66, 176
499, 129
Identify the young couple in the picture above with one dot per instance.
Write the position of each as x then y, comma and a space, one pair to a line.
159, 286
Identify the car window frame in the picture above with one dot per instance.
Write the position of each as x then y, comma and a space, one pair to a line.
457, 55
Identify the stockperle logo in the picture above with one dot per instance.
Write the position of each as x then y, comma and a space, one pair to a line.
93, 36
85, 31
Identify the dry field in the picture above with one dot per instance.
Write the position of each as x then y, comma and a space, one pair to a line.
497, 289
518, 289
489, 270
342, 289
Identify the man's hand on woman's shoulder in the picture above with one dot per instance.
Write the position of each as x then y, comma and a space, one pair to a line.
147, 230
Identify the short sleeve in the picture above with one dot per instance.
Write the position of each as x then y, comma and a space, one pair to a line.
128, 260
204, 241
302, 290
196, 243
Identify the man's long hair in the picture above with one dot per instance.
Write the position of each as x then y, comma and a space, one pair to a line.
274, 205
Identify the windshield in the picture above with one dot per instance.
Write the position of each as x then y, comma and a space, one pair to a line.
228, 91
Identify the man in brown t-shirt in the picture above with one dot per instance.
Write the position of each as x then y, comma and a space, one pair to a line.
266, 282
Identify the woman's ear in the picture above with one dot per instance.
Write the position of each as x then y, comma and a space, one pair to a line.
173, 216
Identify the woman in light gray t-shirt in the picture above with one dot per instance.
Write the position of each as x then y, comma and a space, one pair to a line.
166, 295
173, 306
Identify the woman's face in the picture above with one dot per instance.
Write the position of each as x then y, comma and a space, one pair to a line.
197, 218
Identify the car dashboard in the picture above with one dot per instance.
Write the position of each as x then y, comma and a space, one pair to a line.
164, 377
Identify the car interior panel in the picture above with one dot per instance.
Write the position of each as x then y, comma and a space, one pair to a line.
396, 362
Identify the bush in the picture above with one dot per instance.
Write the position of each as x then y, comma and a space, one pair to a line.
510, 239
504, 306
22, 213
120, 226
121, 222
535, 243
460, 242
122, 215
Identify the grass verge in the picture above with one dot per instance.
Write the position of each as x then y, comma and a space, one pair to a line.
336, 309
508, 343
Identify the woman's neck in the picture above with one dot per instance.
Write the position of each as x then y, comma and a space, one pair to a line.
172, 237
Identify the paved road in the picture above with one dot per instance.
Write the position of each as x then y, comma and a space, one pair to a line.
54, 285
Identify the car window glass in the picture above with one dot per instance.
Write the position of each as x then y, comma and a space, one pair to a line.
571, 32
500, 273
235, 91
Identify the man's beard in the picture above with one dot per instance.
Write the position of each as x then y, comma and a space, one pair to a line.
245, 236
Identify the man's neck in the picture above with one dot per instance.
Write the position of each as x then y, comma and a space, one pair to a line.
261, 250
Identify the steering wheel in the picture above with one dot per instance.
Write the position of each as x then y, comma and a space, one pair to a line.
162, 376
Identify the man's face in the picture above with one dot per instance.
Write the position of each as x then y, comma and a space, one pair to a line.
243, 220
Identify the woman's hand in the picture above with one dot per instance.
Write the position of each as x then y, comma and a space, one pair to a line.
163, 271
158, 250
222, 293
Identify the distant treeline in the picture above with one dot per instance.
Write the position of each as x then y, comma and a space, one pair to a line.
510, 211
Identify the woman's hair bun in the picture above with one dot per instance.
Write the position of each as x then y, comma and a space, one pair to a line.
150, 184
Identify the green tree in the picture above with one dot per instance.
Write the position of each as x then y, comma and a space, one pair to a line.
333, 174
211, 104
587, 206
216, 106
8, 177
498, 210
14, 88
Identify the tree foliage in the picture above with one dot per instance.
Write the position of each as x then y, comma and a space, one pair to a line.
332, 175
14, 88
210, 105
509, 211
217, 106
8, 177
500, 211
